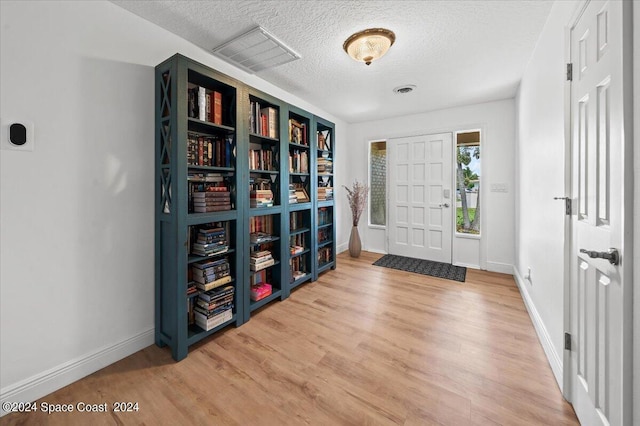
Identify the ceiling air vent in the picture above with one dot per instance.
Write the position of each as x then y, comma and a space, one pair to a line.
255, 50
404, 89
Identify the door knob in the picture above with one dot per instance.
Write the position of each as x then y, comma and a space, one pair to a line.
444, 205
612, 255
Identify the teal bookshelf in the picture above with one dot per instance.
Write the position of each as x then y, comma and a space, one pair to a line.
228, 160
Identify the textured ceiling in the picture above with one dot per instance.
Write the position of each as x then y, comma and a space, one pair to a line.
455, 52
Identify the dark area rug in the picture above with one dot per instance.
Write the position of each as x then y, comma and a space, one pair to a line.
424, 267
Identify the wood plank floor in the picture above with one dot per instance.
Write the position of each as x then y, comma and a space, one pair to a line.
363, 345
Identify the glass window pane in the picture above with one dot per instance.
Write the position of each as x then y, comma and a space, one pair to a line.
378, 184
468, 183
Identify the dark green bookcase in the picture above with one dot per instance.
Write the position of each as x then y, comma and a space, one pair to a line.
174, 175
323, 179
300, 220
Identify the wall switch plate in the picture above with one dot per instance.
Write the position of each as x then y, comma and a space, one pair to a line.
5, 142
499, 187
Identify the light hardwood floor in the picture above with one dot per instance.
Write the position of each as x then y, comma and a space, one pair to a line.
363, 345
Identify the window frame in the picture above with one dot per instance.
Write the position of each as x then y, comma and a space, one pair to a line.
455, 182
369, 197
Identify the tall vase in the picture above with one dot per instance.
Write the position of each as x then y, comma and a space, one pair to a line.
354, 242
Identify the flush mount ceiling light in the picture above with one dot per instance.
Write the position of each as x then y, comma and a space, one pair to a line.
368, 45
256, 50
407, 88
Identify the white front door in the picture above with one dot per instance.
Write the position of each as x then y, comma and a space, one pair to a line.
600, 317
420, 179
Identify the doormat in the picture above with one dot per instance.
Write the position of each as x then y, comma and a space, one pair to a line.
424, 267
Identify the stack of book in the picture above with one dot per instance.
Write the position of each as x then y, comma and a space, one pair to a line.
259, 237
325, 166
211, 274
261, 198
210, 241
325, 193
292, 194
214, 199
260, 291
214, 307
260, 260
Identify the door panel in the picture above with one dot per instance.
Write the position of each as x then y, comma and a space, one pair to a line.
420, 169
598, 314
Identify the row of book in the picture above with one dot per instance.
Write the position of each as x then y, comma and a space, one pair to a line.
325, 255
263, 120
297, 132
324, 235
296, 244
296, 220
261, 224
298, 161
205, 105
215, 151
214, 307
325, 193
325, 216
297, 267
262, 159
260, 198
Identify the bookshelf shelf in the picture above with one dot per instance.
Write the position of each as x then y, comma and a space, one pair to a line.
196, 334
268, 139
216, 137
265, 172
277, 293
299, 231
208, 126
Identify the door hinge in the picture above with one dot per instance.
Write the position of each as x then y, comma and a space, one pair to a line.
567, 206
567, 341
569, 72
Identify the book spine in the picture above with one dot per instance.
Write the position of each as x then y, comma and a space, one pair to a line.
217, 107
202, 103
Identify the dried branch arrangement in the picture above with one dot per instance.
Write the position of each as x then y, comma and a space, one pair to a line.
357, 196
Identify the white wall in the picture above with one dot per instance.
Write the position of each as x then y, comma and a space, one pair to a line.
496, 120
77, 246
541, 176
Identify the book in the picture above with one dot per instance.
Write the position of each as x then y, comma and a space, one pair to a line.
216, 293
262, 265
206, 286
217, 107
210, 323
202, 103
260, 291
269, 122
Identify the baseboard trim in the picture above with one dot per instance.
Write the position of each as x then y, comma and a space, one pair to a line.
554, 359
58, 377
503, 268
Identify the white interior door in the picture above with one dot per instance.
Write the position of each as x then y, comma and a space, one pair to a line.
420, 179
600, 321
